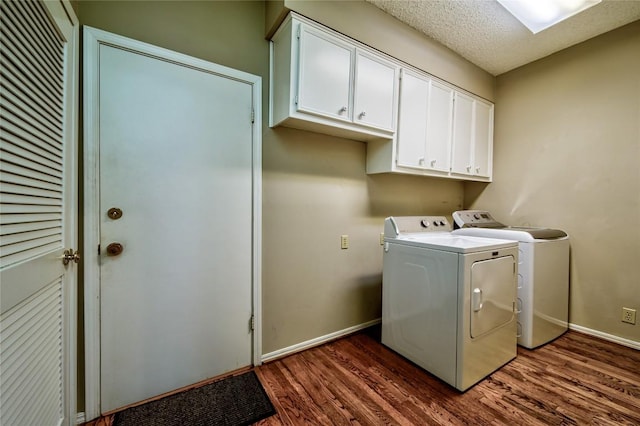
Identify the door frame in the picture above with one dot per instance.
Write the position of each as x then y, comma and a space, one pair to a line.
93, 39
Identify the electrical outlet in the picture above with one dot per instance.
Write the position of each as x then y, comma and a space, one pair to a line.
629, 315
344, 242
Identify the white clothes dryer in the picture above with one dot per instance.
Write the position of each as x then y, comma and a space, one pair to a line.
448, 301
543, 274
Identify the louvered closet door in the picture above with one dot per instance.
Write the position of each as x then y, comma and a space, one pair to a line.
37, 213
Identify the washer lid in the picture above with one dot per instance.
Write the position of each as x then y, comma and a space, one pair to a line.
514, 233
446, 241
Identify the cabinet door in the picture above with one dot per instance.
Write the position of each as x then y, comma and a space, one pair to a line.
325, 74
412, 123
463, 129
439, 122
375, 92
483, 141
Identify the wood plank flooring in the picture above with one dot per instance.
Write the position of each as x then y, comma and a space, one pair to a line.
575, 380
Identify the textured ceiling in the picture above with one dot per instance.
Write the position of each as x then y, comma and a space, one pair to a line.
484, 33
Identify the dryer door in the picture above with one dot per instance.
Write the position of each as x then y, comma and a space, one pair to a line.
493, 293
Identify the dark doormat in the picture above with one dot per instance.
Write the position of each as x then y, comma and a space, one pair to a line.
234, 401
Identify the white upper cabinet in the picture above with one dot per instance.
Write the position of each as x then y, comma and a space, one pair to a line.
327, 83
325, 75
441, 132
376, 91
439, 120
461, 156
412, 120
424, 123
483, 139
414, 123
472, 137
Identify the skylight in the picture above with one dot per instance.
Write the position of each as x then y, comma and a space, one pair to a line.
538, 15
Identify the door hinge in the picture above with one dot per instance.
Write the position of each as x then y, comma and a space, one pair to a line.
298, 32
253, 116
98, 249
296, 100
252, 323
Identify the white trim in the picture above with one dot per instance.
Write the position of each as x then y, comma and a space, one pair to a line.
318, 341
80, 418
605, 336
91, 226
92, 39
257, 221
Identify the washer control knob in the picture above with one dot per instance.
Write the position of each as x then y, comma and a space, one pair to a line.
442, 223
424, 223
476, 216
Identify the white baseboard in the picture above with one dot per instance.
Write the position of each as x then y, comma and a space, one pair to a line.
317, 341
605, 336
80, 418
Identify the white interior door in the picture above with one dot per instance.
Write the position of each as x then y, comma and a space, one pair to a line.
176, 157
38, 109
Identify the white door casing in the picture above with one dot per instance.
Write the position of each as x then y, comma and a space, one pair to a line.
175, 232
38, 213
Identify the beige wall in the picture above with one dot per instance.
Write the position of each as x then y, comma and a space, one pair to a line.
567, 155
314, 187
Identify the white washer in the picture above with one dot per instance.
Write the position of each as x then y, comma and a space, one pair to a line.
448, 301
543, 274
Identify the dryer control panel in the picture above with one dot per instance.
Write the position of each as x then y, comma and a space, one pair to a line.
396, 225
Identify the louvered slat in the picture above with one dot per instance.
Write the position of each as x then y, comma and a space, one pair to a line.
32, 235
13, 123
11, 77
20, 170
28, 109
17, 228
18, 337
21, 53
13, 135
33, 393
29, 209
32, 252
11, 188
12, 59
31, 137
38, 27
7, 219
28, 181
42, 25
28, 51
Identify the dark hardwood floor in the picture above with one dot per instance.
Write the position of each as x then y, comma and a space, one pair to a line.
575, 380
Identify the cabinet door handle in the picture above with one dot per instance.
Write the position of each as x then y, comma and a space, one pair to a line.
363, 114
421, 161
433, 163
477, 169
468, 168
343, 109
